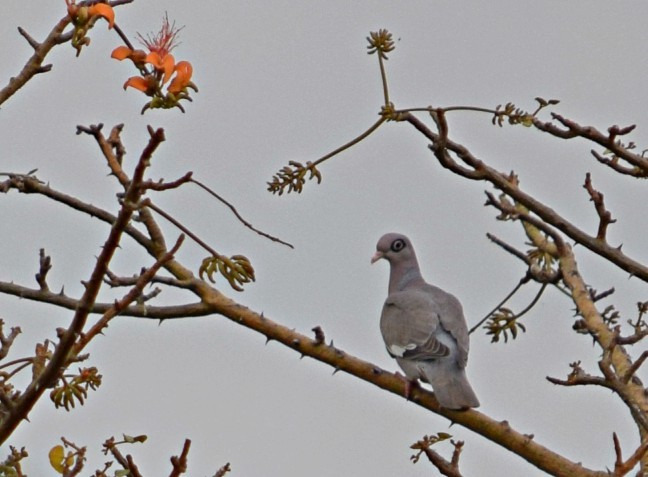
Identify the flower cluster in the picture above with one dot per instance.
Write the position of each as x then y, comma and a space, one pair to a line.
159, 68
83, 17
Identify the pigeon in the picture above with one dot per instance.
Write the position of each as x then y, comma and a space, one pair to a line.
424, 327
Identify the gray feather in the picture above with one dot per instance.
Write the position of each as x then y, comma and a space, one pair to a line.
424, 327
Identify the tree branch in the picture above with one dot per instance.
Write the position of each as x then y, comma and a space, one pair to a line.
480, 171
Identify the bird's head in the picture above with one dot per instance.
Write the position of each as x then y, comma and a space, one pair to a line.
395, 248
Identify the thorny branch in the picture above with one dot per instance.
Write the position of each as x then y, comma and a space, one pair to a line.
61, 355
34, 65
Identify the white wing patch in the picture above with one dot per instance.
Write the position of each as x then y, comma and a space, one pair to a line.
400, 350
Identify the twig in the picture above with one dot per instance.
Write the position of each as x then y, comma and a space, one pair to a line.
45, 263
445, 467
148, 203
512, 250
238, 216
223, 470
130, 297
621, 468
61, 354
180, 463
500, 304
605, 216
635, 366
188, 310
108, 148
481, 171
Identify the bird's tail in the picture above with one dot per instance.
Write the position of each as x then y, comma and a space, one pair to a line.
452, 389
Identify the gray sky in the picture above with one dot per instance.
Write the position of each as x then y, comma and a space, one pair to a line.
284, 81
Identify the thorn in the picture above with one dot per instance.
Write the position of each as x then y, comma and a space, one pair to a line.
261, 316
335, 370
332, 345
302, 356
268, 339
62, 292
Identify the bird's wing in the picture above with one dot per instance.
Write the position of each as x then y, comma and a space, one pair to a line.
452, 320
409, 323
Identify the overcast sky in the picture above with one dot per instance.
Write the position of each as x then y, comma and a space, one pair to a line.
284, 81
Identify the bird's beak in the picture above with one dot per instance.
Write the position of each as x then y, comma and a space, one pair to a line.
377, 256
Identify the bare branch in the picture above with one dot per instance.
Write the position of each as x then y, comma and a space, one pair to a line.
129, 298
635, 366
605, 216
621, 468
480, 171
61, 355
180, 463
238, 216
223, 470
45, 266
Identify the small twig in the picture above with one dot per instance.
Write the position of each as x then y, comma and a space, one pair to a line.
45, 262
162, 186
605, 216
238, 216
449, 469
500, 304
113, 154
595, 296
613, 163
33, 43
319, 335
126, 462
185, 230
7, 341
579, 377
621, 468
223, 470
510, 249
135, 292
635, 366
123, 36
180, 463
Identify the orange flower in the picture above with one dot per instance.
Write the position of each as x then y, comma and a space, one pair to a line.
136, 56
182, 79
145, 84
157, 67
80, 15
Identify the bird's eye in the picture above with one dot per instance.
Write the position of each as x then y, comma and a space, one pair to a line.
398, 245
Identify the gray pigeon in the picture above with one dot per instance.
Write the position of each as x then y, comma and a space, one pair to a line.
424, 327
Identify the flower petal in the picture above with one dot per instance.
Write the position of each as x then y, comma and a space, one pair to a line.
183, 70
139, 83
121, 53
169, 67
105, 11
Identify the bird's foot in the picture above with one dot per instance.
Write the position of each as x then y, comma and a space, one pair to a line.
410, 385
